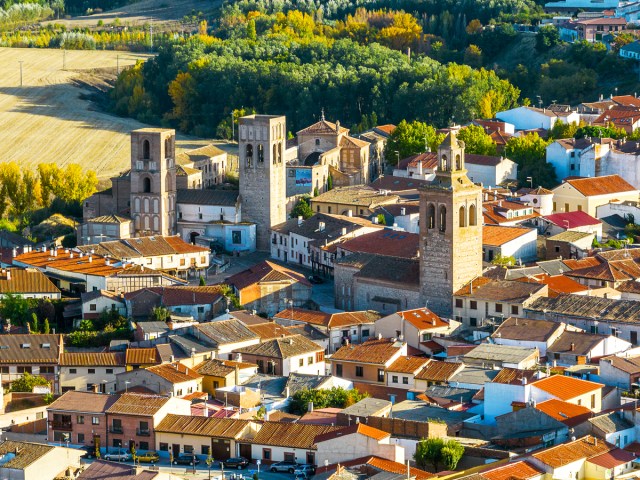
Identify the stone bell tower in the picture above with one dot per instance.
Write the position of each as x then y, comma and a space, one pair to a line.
262, 143
153, 181
450, 229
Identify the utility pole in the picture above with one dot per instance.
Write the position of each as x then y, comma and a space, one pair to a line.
20, 62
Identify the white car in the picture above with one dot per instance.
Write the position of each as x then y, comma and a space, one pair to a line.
121, 456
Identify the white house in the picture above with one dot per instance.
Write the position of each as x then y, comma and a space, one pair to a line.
516, 242
488, 170
587, 194
523, 332
539, 198
631, 50
94, 303
531, 118
91, 372
402, 373
357, 441
572, 221
576, 157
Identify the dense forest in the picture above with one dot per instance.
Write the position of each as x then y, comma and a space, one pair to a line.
294, 65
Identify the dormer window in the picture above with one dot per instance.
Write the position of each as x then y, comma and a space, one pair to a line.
25, 345
46, 345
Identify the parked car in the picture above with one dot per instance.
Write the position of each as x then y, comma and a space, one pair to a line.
236, 462
306, 470
286, 466
120, 456
148, 457
90, 451
186, 459
315, 279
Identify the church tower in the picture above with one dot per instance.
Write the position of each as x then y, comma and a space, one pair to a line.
153, 181
261, 144
450, 229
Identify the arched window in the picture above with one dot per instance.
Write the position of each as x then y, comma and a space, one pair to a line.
458, 162
473, 221
249, 155
146, 222
156, 206
136, 221
317, 142
275, 154
279, 152
431, 216
169, 183
167, 148
443, 219
462, 217
260, 153
146, 185
146, 150
443, 163
145, 206
156, 223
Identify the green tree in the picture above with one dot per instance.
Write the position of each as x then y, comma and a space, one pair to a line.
411, 138
302, 208
451, 453
547, 38
504, 260
16, 308
202, 281
381, 219
45, 326
27, 382
251, 30
477, 141
160, 314
529, 152
86, 326
336, 397
329, 182
473, 56
35, 327
564, 130
429, 452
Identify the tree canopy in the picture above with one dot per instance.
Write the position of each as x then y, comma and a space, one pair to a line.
477, 141
436, 451
336, 397
529, 152
411, 138
27, 382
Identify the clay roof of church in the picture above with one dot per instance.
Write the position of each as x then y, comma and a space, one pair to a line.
322, 127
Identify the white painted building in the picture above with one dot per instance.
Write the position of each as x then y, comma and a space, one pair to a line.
517, 242
358, 441
90, 372
576, 157
530, 118
488, 170
539, 198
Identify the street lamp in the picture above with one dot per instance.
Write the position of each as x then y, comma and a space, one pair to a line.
209, 462
126, 386
258, 462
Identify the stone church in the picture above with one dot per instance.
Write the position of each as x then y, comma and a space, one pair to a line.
450, 248
146, 200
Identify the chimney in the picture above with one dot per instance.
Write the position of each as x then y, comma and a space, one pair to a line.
90, 259
379, 336
70, 254
237, 375
310, 407
107, 261
375, 220
8, 274
238, 357
573, 347
337, 126
349, 213
300, 220
172, 359
344, 231
403, 211
14, 252
321, 226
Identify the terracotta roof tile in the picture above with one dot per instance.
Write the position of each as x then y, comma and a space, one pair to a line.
142, 356
202, 426
566, 388
221, 368
437, 371
269, 330
496, 236
16, 280
175, 372
583, 448
423, 319
372, 351
384, 242
513, 376
502, 290
565, 412
290, 346
613, 458
323, 127
88, 359
265, 271
29, 348
24, 455
514, 328
89, 402
606, 185
519, 470
137, 404
223, 332
572, 219
399, 468
359, 428
408, 365
291, 435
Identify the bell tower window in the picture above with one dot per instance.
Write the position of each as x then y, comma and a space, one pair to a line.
458, 162
472, 215
146, 185
443, 163
462, 217
249, 155
260, 153
146, 150
443, 219
431, 216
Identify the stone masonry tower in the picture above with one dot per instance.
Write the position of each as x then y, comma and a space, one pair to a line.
450, 229
261, 144
153, 181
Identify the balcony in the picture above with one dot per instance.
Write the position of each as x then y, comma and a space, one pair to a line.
115, 429
62, 426
143, 433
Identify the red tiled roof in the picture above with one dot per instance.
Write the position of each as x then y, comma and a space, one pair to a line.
384, 242
558, 284
613, 458
142, 356
395, 467
388, 128
437, 371
519, 470
565, 412
572, 219
495, 236
372, 351
175, 372
408, 364
605, 185
265, 271
582, 263
566, 388
423, 319
566, 453
359, 428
